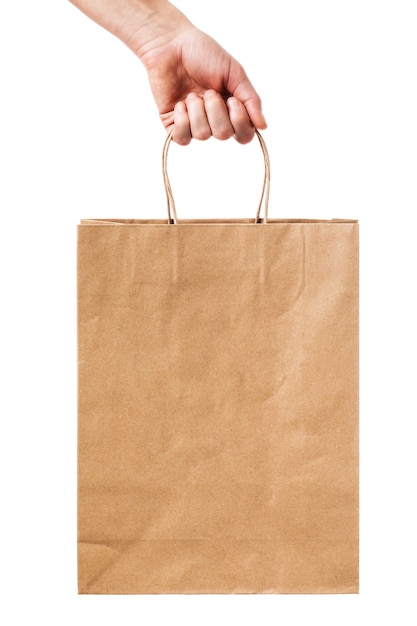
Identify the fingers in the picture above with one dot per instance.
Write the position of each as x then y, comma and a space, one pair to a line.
182, 130
199, 123
254, 108
201, 117
239, 118
217, 115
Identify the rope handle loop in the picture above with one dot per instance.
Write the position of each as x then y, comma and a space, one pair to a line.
264, 200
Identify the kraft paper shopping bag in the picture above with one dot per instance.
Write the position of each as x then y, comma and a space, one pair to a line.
218, 404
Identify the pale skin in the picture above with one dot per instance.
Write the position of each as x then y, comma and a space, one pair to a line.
200, 90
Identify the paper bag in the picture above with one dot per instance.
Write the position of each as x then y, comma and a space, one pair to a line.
218, 404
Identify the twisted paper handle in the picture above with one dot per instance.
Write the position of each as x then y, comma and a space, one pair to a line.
264, 201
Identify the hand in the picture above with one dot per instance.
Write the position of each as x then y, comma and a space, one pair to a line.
200, 89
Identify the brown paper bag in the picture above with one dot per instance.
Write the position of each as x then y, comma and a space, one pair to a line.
218, 405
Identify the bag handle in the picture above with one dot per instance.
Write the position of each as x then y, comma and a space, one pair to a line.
264, 201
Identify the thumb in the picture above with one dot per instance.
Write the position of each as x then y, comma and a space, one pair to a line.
249, 97
241, 88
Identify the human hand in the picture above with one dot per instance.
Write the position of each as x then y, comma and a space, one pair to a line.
200, 89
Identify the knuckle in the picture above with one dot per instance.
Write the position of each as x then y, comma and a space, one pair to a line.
244, 138
244, 134
203, 134
182, 140
223, 133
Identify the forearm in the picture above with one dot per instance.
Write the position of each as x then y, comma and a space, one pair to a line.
138, 23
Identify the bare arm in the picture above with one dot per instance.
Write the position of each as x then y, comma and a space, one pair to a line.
197, 85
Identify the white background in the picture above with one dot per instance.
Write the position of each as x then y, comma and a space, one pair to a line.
80, 137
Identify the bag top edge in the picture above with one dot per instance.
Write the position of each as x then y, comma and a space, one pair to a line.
208, 222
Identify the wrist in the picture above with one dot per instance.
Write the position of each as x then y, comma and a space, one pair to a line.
150, 24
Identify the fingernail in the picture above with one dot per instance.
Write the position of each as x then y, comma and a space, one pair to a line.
180, 107
211, 93
233, 103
